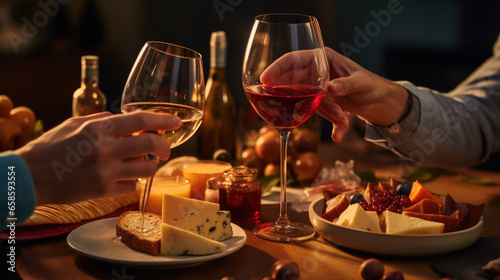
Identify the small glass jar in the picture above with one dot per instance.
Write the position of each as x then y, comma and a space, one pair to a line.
212, 191
240, 193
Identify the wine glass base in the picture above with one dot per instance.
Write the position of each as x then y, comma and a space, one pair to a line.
292, 232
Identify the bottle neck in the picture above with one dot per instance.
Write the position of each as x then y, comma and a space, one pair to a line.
90, 71
217, 62
90, 77
218, 46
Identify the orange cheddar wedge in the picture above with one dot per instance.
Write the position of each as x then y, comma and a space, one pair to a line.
418, 192
426, 205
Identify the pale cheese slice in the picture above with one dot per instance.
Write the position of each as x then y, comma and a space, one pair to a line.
356, 217
374, 220
401, 224
200, 217
177, 242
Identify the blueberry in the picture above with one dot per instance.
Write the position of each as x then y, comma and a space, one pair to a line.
356, 198
404, 188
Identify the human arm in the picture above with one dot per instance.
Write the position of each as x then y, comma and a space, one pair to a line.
354, 90
17, 192
458, 128
351, 89
95, 155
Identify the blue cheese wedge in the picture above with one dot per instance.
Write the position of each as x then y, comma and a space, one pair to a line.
178, 242
200, 217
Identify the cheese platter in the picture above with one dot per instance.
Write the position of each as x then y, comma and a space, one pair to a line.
391, 244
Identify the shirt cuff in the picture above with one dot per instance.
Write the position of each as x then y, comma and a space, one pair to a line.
390, 137
18, 193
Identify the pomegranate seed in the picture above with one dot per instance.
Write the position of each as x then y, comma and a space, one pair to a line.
392, 208
389, 200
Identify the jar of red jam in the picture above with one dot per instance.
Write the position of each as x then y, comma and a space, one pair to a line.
240, 193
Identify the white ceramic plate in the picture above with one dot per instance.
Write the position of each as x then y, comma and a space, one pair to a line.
98, 240
392, 244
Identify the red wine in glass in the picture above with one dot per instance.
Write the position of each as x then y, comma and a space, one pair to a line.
285, 106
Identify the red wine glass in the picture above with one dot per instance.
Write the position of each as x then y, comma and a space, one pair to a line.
285, 73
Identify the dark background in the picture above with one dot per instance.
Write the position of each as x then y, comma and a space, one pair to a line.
430, 43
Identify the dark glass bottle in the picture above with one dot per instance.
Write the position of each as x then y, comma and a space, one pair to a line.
216, 136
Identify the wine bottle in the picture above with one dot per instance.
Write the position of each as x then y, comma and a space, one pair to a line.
217, 132
89, 98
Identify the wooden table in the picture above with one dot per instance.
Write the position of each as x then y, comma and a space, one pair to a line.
317, 259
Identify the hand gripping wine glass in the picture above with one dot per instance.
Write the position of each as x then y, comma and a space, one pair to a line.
167, 78
285, 74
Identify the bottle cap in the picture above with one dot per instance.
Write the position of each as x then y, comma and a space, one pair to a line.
90, 70
218, 45
90, 61
213, 184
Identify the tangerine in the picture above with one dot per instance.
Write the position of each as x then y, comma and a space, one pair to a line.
307, 166
23, 116
303, 140
267, 146
9, 131
272, 169
5, 106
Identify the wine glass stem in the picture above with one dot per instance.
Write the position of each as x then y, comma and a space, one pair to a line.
145, 195
283, 218
145, 199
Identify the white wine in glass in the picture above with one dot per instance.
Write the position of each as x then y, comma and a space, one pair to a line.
285, 74
191, 119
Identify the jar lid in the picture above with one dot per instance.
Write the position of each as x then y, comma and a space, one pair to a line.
240, 172
213, 184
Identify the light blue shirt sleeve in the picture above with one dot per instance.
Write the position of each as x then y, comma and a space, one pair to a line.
457, 129
17, 191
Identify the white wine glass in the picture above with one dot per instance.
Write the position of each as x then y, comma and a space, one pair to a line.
167, 78
285, 75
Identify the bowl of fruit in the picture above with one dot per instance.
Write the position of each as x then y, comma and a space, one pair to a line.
18, 125
396, 218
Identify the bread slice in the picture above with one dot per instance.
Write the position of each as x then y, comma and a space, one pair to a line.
128, 227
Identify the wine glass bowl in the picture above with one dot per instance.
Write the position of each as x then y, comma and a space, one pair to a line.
285, 75
167, 78
285, 106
